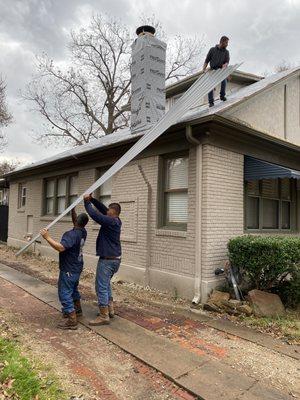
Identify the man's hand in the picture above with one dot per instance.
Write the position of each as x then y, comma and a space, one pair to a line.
87, 197
45, 234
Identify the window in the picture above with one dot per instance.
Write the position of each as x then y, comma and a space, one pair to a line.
22, 195
59, 192
104, 191
270, 204
73, 189
50, 185
175, 192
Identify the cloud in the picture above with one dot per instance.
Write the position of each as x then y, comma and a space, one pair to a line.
262, 34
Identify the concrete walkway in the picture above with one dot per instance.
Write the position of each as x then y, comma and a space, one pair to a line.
206, 378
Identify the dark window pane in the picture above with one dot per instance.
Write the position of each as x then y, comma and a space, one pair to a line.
253, 188
252, 213
286, 215
270, 214
270, 188
286, 189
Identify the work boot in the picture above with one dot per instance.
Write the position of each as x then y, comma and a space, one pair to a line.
78, 308
70, 323
211, 104
102, 318
111, 310
223, 98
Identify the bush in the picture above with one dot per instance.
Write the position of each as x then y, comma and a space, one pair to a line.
289, 291
269, 263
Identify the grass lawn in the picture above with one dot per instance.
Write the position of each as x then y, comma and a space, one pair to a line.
21, 379
287, 326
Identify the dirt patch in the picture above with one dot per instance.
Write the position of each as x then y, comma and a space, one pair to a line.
85, 363
46, 270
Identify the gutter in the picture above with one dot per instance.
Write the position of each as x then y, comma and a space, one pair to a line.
198, 234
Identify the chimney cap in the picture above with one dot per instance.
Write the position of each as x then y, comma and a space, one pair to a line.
145, 28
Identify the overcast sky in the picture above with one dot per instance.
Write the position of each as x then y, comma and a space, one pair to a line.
262, 34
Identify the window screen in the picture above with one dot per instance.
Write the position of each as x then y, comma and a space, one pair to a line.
50, 196
176, 191
59, 193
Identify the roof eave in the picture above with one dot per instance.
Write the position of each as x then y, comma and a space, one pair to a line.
230, 123
68, 157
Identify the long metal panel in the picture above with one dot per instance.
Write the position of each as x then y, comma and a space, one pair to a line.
204, 84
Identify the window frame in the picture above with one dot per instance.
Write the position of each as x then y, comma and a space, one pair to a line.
293, 209
21, 197
162, 222
55, 195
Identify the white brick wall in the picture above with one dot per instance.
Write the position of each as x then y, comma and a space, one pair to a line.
222, 208
148, 252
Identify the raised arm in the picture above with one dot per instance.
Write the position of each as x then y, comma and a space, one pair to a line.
97, 216
74, 216
100, 206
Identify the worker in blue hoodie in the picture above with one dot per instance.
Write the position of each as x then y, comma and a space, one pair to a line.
108, 248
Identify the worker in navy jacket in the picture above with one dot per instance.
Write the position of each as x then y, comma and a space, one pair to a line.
108, 248
70, 267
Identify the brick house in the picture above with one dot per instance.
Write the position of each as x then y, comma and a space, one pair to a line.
219, 172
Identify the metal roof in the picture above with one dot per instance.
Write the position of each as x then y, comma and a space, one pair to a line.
185, 83
255, 169
196, 113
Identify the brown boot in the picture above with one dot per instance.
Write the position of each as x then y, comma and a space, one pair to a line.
102, 319
78, 308
70, 323
111, 309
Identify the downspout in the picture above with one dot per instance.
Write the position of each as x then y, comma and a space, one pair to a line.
148, 232
198, 234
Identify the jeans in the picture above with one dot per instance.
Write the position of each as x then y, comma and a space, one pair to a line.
68, 290
105, 271
222, 92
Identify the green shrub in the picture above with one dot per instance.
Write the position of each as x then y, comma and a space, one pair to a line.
269, 263
289, 291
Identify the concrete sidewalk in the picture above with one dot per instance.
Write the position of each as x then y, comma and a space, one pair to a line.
206, 378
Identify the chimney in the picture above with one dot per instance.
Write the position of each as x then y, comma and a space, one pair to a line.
148, 97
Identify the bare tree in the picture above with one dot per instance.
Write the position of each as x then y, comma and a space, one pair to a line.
5, 116
283, 66
85, 98
8, 166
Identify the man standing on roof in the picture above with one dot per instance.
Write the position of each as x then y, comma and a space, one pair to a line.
218, 57
108, 248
